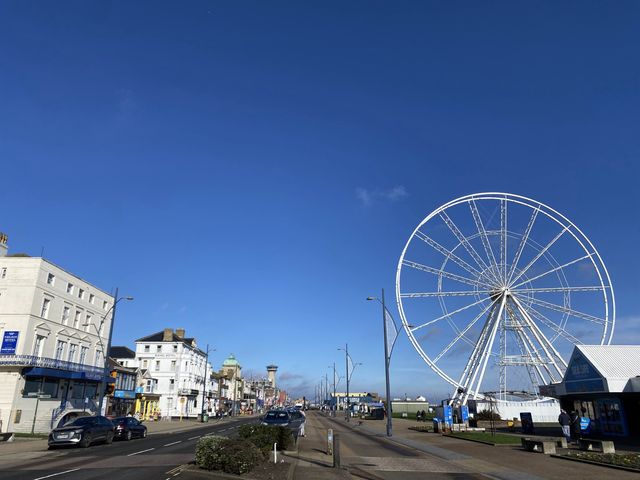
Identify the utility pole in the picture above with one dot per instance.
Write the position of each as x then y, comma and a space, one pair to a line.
204, 383
335, 400
346, 369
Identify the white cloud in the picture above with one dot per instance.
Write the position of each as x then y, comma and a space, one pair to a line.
369, 197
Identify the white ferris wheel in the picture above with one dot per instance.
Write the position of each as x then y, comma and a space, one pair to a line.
495, 289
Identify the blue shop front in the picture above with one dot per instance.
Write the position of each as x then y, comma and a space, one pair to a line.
602, 383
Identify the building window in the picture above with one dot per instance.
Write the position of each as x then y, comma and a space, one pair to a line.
60, 349
172, 384
173, 365
83, 355
38, 345
157, 365
3, 272
147, 348
72, 352
87, 322
158, 348
76, 319
45, 308
69, 287
175, 349
51, 279
92, 298
104, 304
65, 315
81, 293
145, 363
98, 362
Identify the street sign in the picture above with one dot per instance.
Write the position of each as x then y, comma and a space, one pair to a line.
9, 343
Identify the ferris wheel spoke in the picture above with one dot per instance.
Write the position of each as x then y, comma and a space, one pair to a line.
560, 267
442, 273
556, 328
450, 314
597, 288
461, 293
541, 252
448, 254
462, 333
503, 239
483, 233
467, 246
523, 243
568, 311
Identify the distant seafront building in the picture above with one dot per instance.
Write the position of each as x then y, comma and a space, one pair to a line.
54, 327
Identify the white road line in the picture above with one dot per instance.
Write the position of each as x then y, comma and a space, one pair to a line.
172, 443
56, 474
193, 438
141, 451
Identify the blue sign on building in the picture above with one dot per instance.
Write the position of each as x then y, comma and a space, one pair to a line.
9, 343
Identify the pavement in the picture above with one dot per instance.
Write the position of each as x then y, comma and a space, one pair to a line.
468, 459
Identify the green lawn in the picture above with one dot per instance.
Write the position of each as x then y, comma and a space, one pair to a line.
498, 438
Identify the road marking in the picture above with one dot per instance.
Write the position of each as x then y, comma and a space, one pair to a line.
193, 438
173, 443
56, 474
141, 451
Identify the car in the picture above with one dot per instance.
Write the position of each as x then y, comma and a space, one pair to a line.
276, 417
128, 427
83, 431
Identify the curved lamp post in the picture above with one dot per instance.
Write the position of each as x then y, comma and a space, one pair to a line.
105, 355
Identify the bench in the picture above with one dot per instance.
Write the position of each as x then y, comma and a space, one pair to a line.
604, 446
545, 446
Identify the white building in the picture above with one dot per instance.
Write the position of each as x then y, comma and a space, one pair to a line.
182, 372
54, 329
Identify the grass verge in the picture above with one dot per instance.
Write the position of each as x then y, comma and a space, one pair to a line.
486, 437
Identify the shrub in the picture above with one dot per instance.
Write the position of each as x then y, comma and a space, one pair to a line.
206, 451
487, 415
236, 456
264, 436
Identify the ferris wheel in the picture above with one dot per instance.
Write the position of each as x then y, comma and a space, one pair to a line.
495, 289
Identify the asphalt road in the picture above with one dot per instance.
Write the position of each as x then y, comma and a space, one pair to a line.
153, 457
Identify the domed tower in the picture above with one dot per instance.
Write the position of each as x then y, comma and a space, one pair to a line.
271, 373
231, 367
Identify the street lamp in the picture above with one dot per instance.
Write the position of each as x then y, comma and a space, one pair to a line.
387, 359
204, 381
106, 354
348, 374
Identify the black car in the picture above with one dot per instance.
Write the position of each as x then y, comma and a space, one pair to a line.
83, 431
129, 427
276, 417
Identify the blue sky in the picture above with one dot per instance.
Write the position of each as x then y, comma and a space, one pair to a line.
251, 171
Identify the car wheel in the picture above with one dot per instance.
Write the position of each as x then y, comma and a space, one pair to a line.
85, 441
109, 439
52, 447
127, 436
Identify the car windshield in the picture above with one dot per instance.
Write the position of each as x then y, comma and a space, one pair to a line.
276, 416
83, 421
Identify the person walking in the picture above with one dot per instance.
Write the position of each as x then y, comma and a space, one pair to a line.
575, 426
565, 422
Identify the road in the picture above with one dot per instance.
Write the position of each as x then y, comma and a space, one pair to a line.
153, 457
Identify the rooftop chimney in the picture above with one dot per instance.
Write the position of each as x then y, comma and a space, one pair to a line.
167, 335
3, 244
180, 332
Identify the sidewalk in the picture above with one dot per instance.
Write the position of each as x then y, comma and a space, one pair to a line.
504, 462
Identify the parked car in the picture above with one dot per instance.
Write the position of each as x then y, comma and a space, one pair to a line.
83, 431
129, 427
276, 417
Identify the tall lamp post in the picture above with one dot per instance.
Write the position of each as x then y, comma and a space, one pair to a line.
348, 374
387, 359
204, 381
105, 355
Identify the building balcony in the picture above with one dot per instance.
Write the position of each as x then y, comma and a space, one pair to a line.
44, 362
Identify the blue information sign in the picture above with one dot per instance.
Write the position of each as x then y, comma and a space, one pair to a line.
9, 343
448, 415
464, 410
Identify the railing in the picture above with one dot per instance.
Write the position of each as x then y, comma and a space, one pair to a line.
35, 361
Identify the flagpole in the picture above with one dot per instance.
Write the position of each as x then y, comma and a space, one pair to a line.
386, 366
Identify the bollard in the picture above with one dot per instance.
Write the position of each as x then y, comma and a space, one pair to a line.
275, 452
336, 451
330, 441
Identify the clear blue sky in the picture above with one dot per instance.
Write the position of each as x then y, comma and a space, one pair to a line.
250, 171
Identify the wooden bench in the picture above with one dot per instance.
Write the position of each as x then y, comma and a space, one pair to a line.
541, 445
604, 446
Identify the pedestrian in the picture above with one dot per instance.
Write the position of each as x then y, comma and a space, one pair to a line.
565, 422
418, 415
575, 426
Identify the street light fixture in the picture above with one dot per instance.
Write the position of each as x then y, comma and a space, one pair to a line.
105, 355
348, 374
387, 359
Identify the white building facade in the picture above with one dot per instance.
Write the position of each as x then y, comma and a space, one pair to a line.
54, 329
182, 372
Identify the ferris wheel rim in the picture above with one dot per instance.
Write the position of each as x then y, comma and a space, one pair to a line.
578, 235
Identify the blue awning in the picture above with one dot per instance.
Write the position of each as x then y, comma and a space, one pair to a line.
54, 373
